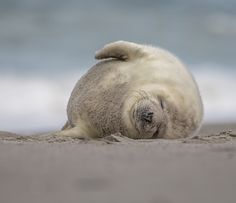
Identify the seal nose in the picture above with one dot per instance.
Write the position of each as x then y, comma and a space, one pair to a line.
147, 116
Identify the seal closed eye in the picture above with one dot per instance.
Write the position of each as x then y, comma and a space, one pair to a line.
137, 90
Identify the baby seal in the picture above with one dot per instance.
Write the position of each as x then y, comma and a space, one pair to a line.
139, 91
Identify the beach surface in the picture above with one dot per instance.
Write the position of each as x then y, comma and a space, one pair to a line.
201, 168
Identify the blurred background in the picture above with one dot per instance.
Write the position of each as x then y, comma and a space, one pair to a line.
46, 45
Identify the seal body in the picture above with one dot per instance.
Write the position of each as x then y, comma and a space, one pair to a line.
137, 90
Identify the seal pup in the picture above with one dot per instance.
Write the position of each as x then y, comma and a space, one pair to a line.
137, 90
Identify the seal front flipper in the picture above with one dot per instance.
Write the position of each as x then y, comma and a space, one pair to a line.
121, 50
74, 132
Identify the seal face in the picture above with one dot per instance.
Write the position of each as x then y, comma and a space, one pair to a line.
137, 90
148, 117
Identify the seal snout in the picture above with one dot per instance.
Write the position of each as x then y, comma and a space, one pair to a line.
148, 117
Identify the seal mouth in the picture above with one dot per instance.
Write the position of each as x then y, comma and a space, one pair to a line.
156, 134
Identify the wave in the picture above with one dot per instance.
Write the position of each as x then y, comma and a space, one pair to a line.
217, 85
33, 104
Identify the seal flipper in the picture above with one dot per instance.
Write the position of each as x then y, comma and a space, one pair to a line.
121, 50
74, 132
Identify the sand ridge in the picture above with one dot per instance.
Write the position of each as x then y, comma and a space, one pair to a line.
208, 134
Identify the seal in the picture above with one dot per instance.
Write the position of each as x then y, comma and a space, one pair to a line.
137, 90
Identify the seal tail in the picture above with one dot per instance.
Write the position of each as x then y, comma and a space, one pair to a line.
121, 50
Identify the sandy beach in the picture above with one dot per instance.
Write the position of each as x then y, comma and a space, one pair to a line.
197, 169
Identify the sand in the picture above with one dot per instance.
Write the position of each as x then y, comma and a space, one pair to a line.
200, 169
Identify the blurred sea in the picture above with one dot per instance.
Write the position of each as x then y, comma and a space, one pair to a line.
46, 45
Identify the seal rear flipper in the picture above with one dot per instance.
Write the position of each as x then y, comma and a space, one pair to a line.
121, 50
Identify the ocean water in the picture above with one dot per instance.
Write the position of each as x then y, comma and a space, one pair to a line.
45, 46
